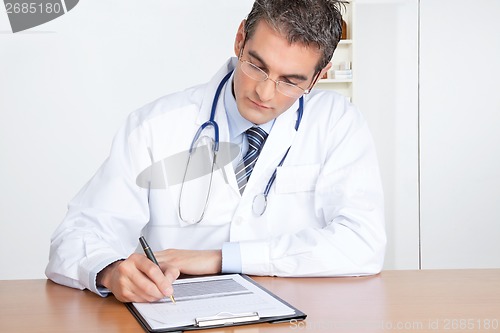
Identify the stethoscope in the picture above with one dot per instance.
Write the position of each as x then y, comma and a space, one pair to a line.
259, 204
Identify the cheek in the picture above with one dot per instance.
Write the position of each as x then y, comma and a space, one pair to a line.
241, 85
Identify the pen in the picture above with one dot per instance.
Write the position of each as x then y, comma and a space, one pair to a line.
151, 256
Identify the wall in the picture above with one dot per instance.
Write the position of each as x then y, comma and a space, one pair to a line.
66, 87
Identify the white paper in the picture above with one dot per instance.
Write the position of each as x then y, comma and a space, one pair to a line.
210, 296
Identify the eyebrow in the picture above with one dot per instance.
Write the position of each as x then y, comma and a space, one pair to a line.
299, 77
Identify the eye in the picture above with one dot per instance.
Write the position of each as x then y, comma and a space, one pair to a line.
258, 65
262, 68
286, 80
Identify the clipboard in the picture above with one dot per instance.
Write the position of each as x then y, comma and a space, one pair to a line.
272, 309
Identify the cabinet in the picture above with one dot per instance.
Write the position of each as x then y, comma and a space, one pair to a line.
459, 135
341, 76
435, 132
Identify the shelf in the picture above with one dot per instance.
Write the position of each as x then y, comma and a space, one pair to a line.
342, 59
345, 41
335, 81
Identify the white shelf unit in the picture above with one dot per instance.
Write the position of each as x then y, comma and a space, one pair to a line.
336, 81
343, 54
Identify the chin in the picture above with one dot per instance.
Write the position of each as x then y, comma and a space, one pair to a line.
251, 115
253, 119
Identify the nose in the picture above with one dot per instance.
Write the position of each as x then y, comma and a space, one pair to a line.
266, 89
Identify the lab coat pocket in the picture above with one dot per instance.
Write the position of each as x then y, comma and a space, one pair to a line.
297, 178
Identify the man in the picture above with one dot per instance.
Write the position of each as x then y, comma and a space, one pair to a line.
322, 212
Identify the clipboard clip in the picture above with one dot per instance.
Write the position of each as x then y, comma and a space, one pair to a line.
227, 318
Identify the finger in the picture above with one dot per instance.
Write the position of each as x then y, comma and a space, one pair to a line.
152, 281
168, 263
171, 274
131, 285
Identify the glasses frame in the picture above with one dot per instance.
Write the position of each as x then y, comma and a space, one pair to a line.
278, 83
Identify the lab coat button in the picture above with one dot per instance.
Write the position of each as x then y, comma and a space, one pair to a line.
238, 220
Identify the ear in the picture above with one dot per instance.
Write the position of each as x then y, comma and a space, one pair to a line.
325, 69
240, 39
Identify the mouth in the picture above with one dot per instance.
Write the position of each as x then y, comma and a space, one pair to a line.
260, 106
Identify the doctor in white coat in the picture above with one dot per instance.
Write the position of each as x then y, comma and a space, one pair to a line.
324, 214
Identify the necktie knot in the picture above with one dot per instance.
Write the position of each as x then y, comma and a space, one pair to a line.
256, 137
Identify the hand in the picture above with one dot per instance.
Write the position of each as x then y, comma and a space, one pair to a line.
138, 279
191, 262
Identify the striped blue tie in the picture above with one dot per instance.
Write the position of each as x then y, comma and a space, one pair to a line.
256, 137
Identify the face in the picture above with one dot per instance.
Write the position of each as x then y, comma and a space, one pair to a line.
260, 102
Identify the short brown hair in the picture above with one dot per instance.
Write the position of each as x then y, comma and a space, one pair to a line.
310, 22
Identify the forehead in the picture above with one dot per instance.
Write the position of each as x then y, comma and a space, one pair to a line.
279, 53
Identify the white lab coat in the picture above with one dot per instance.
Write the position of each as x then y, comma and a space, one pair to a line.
325, 212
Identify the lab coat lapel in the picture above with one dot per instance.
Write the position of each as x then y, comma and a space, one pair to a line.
220, 116
221, 119
277, 143
208, 98
224, 136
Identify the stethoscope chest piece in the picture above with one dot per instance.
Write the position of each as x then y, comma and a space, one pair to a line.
259, 204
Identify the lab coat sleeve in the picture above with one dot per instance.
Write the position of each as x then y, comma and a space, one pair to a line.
347, 199
103, 220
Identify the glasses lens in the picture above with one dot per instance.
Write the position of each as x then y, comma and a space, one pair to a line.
253, 71
196, 185
289, 90
257, 74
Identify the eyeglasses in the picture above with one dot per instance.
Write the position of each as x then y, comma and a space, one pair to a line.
257, 74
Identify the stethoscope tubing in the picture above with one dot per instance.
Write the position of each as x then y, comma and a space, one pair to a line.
211, 122
259, 199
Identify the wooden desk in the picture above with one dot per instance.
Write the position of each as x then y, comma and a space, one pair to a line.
394, 301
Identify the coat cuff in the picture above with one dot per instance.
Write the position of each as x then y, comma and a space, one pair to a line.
91, 266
